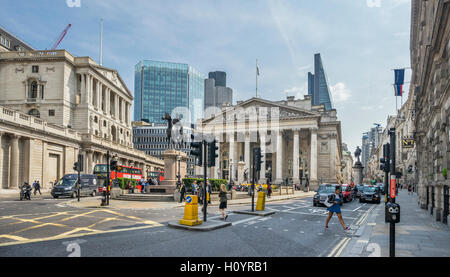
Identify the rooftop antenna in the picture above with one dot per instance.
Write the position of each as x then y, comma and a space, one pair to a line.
101, 41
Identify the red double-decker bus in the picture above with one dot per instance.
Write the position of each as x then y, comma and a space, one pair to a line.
158, 175
125, 172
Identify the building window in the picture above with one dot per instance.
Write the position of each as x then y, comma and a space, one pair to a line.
33, 90
42, 91
34, 113
104, 123
5, 42
95, 119
51, 112
35, 69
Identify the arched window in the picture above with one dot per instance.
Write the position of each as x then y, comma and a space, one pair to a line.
33, 90
34, 113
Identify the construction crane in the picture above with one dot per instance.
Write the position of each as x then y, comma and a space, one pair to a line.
63, 34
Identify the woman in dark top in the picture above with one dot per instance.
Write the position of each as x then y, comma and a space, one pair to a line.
223, 201
336, 208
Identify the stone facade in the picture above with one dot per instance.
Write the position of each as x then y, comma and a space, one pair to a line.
430, 88
296, 139
55, 105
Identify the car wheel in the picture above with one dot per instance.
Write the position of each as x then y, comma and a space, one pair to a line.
360, 201
93, 193
55, 196
314, 204
74, 194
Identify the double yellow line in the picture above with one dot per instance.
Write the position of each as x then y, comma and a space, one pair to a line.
337, 250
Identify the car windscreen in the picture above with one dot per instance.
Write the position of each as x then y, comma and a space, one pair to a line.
67, 181
370, 189
326, 189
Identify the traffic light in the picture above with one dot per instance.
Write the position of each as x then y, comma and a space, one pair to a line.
113, 165
197, 150
76, 166
384, 162
212, 148
258, 158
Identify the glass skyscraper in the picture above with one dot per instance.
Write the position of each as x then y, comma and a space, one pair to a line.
160, 87
318, 85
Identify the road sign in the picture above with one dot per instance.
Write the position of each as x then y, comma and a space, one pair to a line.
188, 199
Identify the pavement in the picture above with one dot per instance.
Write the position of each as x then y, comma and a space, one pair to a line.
417, 234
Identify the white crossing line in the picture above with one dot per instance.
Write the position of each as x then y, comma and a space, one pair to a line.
360, 207
245, 220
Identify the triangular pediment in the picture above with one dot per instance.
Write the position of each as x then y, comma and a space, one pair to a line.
254, 105
114, 77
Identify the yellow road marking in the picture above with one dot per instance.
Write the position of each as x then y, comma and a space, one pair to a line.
78, 215
39, 226
343, 247
17, 238
61, 236
336, 248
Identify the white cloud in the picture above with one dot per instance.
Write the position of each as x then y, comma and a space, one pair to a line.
298, 91
340, 92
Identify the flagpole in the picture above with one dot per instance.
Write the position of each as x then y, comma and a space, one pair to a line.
256, 78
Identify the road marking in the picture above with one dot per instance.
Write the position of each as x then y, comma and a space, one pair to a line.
61, 236
16, 238
39, 226
360, 207
245, 220
365, 215
343, 247
336, 248
316, 214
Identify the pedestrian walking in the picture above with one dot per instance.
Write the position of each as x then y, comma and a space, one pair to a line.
182, 192
200, 193
269, 190
37, 187
409, 190
223, 201
336, 208
130, 187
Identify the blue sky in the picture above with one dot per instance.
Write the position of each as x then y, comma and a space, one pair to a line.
359, 43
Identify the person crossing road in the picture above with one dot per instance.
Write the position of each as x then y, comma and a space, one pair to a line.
336, 208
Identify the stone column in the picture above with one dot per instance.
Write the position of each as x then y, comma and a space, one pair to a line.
83, 88
14, 167
107, 102
247, 154
262, 173
116, 106
99, 96
279, 165
88, 88
1, 159
295, 157
231, 156
313, 182
90, 161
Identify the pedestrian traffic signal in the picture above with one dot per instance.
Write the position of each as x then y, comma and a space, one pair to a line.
76, 166
212, 155
197, 150
258, 159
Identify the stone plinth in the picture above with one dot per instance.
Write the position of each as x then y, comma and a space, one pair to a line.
171, 168
358, 173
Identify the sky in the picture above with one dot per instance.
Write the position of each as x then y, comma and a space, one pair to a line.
360, 42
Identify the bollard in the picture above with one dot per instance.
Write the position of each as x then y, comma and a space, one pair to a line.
191, 212
261, 203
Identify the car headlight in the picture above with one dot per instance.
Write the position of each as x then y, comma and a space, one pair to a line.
67, 188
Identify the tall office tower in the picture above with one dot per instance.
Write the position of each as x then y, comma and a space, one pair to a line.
160, 87
216, 92
318, 85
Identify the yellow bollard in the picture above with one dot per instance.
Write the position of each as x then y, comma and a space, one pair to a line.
207, 196
191, 212
261, 203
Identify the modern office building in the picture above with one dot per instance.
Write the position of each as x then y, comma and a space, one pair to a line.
216, 92
152, 139
318, 85
370, 142
160, 87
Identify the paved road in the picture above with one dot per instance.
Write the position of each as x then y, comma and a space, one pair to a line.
47, 227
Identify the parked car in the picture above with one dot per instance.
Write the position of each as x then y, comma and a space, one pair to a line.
323, 192
237, 187
381, 186
370, 194
67, 186
347, 193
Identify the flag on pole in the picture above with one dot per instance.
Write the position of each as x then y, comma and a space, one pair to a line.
399, 76
398, 90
